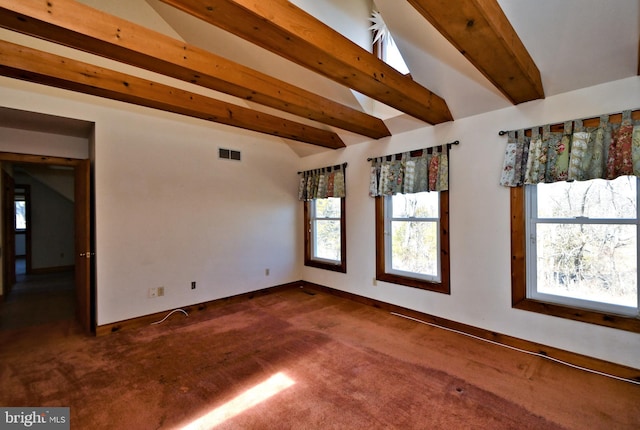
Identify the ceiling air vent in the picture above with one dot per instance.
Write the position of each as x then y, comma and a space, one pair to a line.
228, 154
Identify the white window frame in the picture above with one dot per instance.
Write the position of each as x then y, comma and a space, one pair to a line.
313, 218
310, 243
532, 220
388, 239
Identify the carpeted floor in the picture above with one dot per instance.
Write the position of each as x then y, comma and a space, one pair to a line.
39, 299
293, 360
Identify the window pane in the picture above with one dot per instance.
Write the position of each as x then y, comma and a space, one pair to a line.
598, 198
327, 208
414, 246
327, 240
392, 55
417, 205
596, 262
21, 218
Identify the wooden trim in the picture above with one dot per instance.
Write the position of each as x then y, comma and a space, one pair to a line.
84, 248
444, 242
483, 34
343, 234
310, 262
8, 231
342, 268
307, 231
519, 298
28, 230
146, 320
38, 159
379, 220
518, 247
573, 358
381, 274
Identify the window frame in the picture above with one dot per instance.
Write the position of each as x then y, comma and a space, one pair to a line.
411, 281
340, 266
519, 297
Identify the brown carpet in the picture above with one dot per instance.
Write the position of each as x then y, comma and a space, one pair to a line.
39, 299
334, 364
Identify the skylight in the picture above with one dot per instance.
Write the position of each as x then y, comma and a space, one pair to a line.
388, 50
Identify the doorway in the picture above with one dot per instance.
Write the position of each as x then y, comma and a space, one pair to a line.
22, 226
49, 290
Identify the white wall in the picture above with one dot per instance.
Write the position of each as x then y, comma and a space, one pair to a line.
168, 212
33, 142
21, 244
479, 224
52, 224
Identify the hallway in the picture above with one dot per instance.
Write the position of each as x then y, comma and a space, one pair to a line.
38, 299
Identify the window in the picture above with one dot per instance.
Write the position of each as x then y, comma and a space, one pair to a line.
412, 244
575, 250
21, 213
390, 54
325, 240
384, 47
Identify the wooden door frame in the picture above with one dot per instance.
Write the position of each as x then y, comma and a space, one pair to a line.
8, 234
84, 291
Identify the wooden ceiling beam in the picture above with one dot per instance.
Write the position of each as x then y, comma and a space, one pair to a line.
480, 30
76, 25
285, 29
44, 68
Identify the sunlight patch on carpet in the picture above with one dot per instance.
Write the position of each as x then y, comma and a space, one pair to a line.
244, 401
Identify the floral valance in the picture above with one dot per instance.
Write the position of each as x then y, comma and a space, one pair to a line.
410, 172
322, 183
606, 150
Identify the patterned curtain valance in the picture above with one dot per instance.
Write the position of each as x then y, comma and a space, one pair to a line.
322, 183
577, 153
411, 172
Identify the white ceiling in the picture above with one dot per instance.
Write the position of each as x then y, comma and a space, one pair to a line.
575, 44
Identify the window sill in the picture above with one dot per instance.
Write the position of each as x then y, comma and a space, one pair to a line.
619, 322
338, 267
438, 287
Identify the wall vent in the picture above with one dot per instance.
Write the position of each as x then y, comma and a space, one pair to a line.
228, 154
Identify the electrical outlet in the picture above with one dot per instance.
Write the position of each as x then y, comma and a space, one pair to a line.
193, 285
153, 292
266, 272
375, 282
160, 291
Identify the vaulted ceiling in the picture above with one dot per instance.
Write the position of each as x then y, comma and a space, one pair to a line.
302, 70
